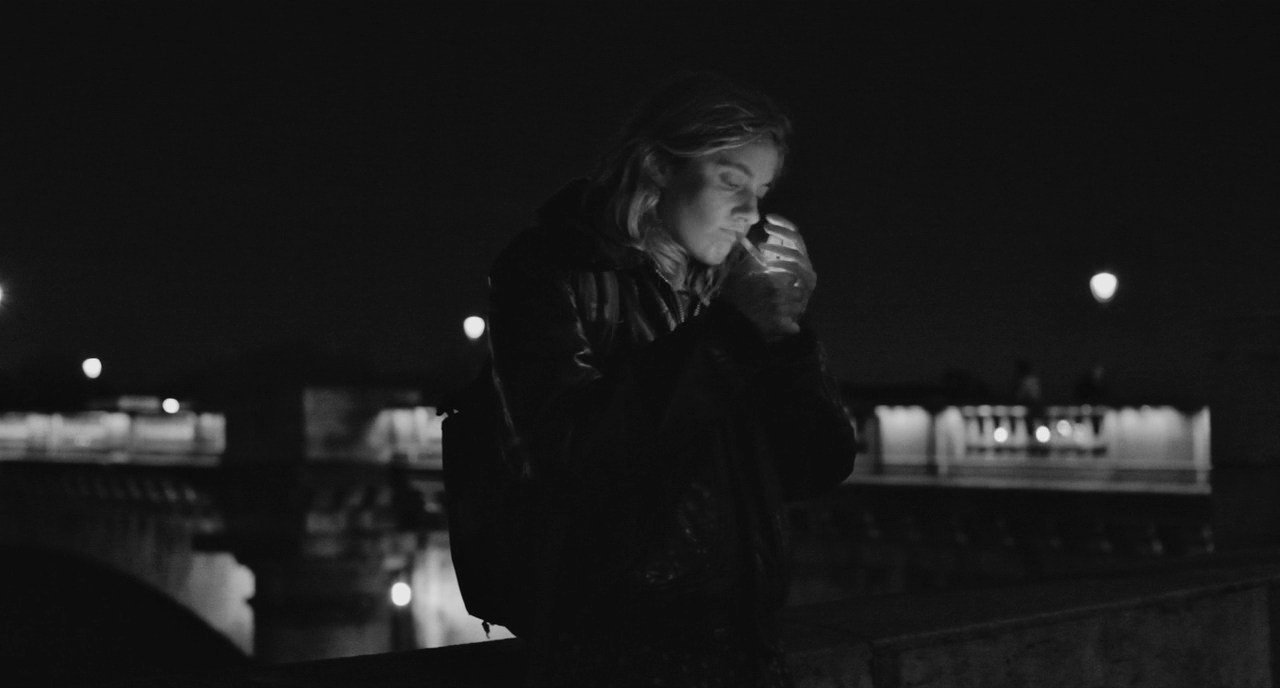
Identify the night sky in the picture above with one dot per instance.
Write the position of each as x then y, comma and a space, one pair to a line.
187, 182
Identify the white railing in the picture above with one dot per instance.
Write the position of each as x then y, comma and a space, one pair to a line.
336, 427
113, 437
1147, 443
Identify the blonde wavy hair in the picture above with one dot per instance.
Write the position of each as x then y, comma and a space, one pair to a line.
692, 115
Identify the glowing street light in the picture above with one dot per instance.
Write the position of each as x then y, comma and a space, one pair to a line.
92, 368
1103, 285
1, 294
171, 405
473, 327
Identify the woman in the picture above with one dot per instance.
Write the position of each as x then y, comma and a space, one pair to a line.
657, 373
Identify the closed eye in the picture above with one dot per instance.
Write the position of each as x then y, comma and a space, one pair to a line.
733, 184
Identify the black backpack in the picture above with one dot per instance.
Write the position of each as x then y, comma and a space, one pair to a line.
490, 508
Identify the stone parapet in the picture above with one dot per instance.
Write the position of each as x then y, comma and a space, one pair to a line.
1205, 624
1198, 627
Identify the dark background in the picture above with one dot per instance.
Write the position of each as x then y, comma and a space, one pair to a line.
187, 183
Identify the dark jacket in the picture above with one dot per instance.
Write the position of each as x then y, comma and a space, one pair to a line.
672, 433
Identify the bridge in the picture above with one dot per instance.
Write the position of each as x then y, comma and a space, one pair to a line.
276, 528
274, 532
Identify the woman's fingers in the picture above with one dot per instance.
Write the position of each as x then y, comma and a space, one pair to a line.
784, 233
800, 271
773, 290
775, 252
782, 222
778, 257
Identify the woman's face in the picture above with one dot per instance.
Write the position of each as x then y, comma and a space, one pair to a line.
708, 202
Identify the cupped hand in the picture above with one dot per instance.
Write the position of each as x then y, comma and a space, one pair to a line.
773, 287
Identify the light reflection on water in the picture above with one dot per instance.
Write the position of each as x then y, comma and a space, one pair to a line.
440, 618
219, 589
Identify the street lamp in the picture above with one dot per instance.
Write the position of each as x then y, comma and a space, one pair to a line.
473, 327
1103, 286
92, 368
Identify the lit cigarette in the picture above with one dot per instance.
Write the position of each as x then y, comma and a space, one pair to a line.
753, 251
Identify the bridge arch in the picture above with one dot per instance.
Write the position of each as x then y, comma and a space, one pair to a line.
69, 619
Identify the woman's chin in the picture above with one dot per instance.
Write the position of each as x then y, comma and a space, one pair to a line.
713, 256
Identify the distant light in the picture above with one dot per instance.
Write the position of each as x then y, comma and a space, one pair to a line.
170, 405
1103, 285
1064, 428
1002, 435
473, 327
1, 294
401, 594
92, 368
1042, 433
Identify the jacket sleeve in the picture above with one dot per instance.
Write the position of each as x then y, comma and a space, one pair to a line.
812, 434
789, 394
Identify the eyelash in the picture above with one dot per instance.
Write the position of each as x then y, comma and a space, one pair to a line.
739, 187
